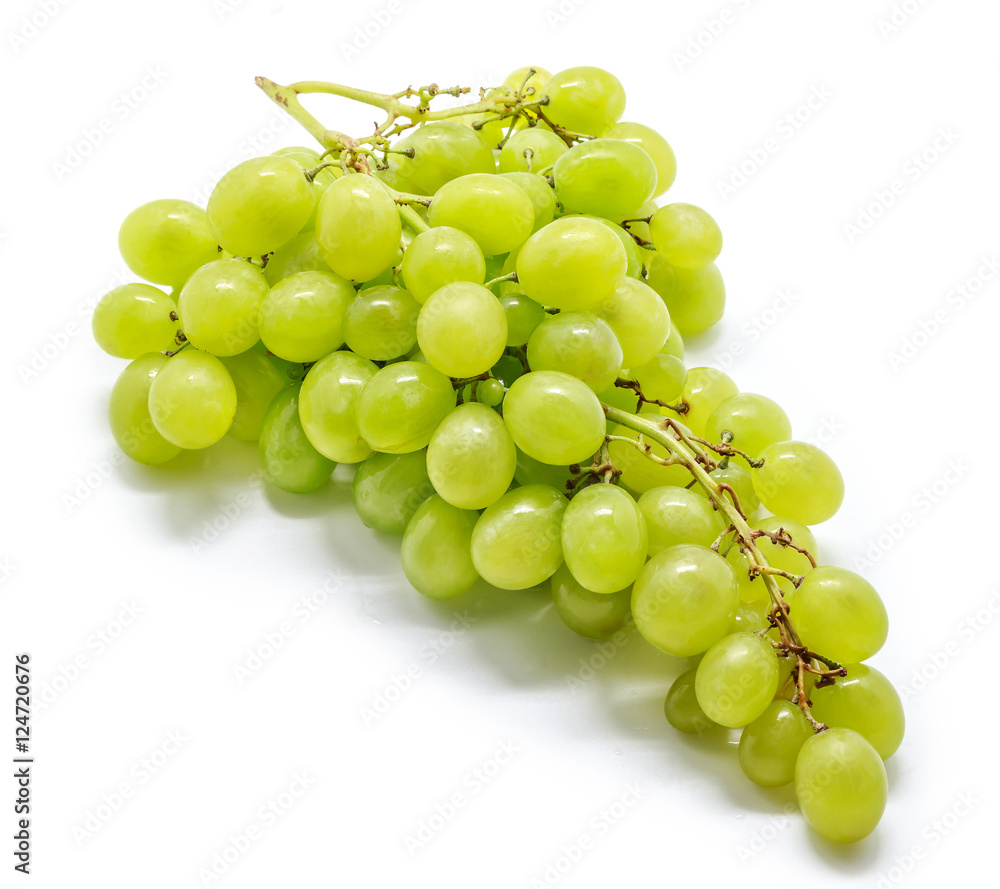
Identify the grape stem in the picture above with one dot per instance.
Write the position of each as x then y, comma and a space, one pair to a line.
511, 277
622, 383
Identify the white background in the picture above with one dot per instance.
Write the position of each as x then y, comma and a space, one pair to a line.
84, 536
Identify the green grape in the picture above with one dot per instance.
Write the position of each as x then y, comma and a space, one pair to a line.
604, 538
638, 224
540, 194
594, 615
388, 489
516, 542
192, 400
529, 84
866, 702
639, 473
771, 743
572, 263
841, 785
494, 211
440, 256
751, 617
381, 323
304, 157
633, 264
584, 99
605, 177
752, 588
675, 343
490, 392
624, 399
134, 319
257, 381
259, 205
682, 709
327, 404
443, 150
302, 317
676, 515
220, 306
684, 599
579, 344
839, 614
554, 417
401, 406
165, 241
462, 329
784, 557
755, 422
798, 479
436, 551
287, 458
741, 481
470, 458
357, 227
507, 369
300, 254
531, 150
737, 678
523, 316
530, 471
661, 378
128, 413
704, 389
685, 236
639, 319
654, 145
696, 298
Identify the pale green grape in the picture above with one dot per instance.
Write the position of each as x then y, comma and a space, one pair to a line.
530, 471
388, 489
605, 177
357, 227
300, 254
841, 785
441, 256
579, 344
220, 306
639, 319
696, 298
304, 157
682, 709
257, 381
287, 458
436, 552
516, 542
800, 480
165, 241
704, 389
675, 343
128, 413
490, 392
661, 378
442, 150
302, 316
529, 84
741, 481
523, 316
865, 701
401, 406
751, 617
771, 743
784, 557
594, 615
654, 145
754, 420
639, 473
839, 614
531, 150
134, 319
686, 236
554, 417
462, 329
737, 678
259, 205
192, 400
540, 194
327, 405
676, 515
381, 323
572, 263
638, 224
604, 538
751, 588
471, 458
584, 99
494, 211
507, 369
684, 599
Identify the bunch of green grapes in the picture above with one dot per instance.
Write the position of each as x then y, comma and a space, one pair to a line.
486, 319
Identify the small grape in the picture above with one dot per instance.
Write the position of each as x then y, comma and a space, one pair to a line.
165, 241
755, 422
220, 306
327, 404
462, 329
357, 227
523, 316
494, 211
800, 480
436, 550
661, 378
302, 316
585, 99
704, 389
676, 515
440, 256
192, 400
381, 323
737, 679
655, 146
134, 319
531, 150
685, 236
490, 392
696, 298
579, 344
770, 745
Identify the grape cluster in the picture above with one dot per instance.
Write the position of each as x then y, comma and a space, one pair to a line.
485, 317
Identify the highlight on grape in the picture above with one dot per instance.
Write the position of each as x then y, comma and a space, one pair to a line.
482, 308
